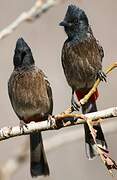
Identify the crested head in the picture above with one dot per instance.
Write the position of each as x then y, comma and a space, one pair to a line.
21, 45
74, 12
75, 22
23, 55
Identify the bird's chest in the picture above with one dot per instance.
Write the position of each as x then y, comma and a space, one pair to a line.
79, 70
29, 96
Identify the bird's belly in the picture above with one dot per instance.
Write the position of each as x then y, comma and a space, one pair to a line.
29, 112
26, 113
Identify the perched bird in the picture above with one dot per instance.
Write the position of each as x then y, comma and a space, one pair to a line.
82, 64
31, 98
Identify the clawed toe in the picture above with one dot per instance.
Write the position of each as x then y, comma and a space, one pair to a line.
102, 76
74, 106
22, 125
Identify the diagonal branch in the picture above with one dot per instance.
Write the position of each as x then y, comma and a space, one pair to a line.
87, 96
36, 11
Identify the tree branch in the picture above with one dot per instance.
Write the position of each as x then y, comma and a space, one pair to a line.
57, 122
36, 11
13, 164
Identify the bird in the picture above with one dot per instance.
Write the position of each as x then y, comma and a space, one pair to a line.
30, 94
81, 60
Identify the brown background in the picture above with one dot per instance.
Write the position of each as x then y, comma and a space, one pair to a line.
46, 38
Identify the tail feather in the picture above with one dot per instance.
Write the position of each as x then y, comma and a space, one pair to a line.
39, 165
90, 106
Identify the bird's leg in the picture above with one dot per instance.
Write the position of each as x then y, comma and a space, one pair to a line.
22, 124
101, 75
74, 105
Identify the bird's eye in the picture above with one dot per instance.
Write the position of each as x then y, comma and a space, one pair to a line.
70, 24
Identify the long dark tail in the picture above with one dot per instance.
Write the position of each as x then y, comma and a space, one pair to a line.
90, 148
39, 165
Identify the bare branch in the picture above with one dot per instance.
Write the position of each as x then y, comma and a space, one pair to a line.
36, 11
56, 122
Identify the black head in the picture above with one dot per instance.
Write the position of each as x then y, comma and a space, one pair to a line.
75, 22
23, 55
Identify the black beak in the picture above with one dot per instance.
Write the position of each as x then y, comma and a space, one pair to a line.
64, 23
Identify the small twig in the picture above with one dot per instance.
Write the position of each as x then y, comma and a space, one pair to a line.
87, 96
36, 11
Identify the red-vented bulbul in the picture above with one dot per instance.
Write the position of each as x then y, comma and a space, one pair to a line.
82, 63
31, 98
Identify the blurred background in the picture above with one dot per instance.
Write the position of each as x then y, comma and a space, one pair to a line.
46, 38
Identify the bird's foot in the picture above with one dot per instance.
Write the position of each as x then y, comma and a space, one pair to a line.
22, 125
102, 76
74, 105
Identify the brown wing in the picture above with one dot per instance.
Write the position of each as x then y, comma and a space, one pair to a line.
28, 93
99, 47
101, 51
49, 92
